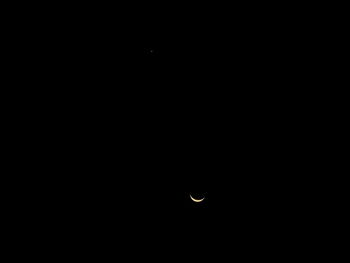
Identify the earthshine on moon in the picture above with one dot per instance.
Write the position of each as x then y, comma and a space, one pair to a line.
197, 200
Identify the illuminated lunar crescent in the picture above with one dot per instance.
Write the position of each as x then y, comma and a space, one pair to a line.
197, 200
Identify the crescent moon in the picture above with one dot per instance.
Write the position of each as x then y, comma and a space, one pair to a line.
197, 200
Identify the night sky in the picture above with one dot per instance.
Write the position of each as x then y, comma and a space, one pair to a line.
122, 120
144, 122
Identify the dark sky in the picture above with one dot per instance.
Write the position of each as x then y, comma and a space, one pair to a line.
173, 112
128, 126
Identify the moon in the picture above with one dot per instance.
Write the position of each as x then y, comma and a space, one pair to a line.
197, 200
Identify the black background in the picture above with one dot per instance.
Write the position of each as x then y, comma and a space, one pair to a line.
128, 120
